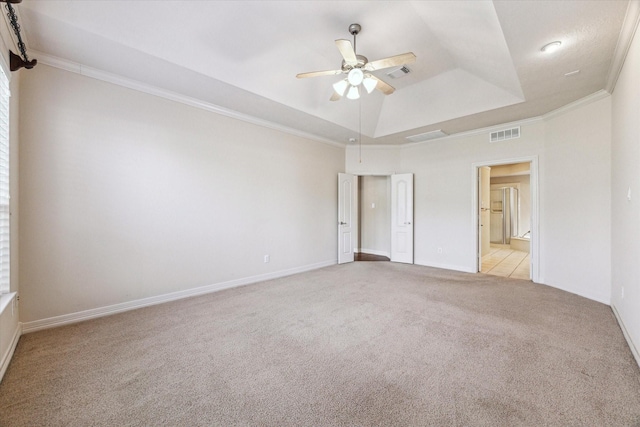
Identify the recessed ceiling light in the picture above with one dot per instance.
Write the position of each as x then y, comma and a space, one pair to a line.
550, 47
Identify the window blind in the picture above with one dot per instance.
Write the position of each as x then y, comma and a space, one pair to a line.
4, 184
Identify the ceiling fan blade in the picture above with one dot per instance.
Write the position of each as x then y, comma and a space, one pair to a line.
347, 52
384, 87
392, 61
319, 73
335, 96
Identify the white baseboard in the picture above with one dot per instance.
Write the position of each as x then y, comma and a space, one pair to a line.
604, 299
462, 268
6, 357
94, 313
627, 336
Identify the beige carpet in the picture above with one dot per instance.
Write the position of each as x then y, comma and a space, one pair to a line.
364, 344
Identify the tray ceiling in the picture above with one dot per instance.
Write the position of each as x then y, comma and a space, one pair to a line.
478, 63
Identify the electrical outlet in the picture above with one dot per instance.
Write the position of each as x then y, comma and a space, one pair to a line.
267, 258
439, 250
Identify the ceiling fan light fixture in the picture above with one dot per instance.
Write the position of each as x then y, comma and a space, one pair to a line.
353, 93
369, 83
355, 76
341, 86
551, 47
357, 69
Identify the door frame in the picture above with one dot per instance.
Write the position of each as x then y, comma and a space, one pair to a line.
535, 216
388, 175
402, 220
347, 215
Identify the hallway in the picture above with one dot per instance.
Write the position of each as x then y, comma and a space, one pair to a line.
505, 262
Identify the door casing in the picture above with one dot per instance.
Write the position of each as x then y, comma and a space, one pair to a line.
348, 217
535, 216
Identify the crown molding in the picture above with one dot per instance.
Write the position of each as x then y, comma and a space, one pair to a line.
355, 146
596, 96
479, 131
136, 85
97, 74
629, 27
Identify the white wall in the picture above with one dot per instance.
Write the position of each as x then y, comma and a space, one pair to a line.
126, 196
443, 191
576, 201
571, 147
625, 175
381, 160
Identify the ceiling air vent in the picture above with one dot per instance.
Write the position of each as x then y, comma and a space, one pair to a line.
421, 137
501, 135
399, 72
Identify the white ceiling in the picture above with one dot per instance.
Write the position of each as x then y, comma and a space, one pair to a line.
478, 62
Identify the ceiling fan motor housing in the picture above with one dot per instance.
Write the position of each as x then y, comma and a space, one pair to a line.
362, 61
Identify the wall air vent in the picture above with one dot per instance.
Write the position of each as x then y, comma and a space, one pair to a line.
502, 135
421, 137
399, 72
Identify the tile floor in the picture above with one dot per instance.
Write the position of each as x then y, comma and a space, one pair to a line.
503, 261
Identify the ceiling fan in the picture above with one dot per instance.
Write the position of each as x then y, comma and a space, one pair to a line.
358, 69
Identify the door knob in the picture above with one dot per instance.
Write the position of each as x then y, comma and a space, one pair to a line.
407, 223
343, 223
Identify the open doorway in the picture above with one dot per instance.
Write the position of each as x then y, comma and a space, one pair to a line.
399, 200
506, 212
373, 242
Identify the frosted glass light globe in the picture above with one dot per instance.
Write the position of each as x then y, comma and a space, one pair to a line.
355, 76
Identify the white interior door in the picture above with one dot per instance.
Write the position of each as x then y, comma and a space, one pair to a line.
402, 218
484, 215
347, 198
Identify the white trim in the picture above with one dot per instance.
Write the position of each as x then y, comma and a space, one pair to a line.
73, 67
462, 268
387, 174
5, 299
627, 336
97, 74
380, 146
604, 299
535, 217
480, 131
5, 302
6, 357
596, 96
94, 313
629, 27
5, 67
